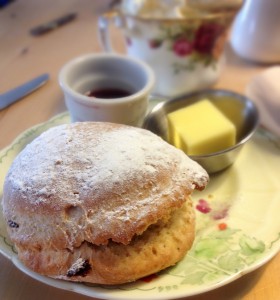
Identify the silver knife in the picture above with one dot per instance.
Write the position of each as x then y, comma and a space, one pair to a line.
23, 90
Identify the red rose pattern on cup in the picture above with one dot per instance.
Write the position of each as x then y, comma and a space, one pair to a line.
201, 39
206, 37
182, 47
196, 44
156, 43
128, 40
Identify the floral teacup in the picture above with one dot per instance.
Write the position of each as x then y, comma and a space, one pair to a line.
186, 53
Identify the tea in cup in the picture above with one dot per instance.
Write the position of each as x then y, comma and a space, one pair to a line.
183, 44
107, 87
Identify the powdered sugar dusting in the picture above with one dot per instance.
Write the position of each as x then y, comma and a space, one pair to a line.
94, 158
85, 164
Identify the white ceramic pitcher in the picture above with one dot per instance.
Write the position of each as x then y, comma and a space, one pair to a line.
256, 31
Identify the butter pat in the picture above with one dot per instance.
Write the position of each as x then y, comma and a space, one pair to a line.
200, 129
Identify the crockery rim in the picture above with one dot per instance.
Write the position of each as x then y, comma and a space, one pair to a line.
94, 100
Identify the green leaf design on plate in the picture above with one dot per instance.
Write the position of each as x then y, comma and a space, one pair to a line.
216, 255
209, 248
224, 234
167, 288
195, 278
251, 246
231, 261
184, 267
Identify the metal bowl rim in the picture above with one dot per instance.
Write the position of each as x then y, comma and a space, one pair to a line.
240, 97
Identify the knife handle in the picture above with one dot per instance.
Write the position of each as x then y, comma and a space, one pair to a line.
44, 28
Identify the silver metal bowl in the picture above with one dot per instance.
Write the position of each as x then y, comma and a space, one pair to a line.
239, 109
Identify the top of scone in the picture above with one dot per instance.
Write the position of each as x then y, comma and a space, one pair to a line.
96, 182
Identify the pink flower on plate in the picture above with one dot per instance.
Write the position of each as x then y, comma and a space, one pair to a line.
203, 206
182, 47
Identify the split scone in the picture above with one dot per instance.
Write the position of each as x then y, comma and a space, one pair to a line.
101, 203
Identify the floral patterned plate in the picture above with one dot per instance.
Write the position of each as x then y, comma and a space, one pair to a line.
238, 225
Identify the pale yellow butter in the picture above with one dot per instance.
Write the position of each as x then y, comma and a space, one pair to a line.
201, 128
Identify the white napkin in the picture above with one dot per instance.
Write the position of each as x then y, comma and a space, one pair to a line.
264, 90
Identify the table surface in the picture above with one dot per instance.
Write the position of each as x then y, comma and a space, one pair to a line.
23, 57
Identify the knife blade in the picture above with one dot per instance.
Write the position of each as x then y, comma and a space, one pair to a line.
23, 90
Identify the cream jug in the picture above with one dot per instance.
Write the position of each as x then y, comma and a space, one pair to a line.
256, 31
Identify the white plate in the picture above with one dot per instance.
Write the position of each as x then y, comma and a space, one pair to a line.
245, 198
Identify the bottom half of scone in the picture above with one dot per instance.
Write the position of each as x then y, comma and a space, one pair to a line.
162, 245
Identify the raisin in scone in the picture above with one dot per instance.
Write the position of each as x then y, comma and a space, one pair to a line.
101, 203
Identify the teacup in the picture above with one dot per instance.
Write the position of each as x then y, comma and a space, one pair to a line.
107, 87
186, 53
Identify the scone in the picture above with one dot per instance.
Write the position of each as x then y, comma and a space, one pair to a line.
101, 203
